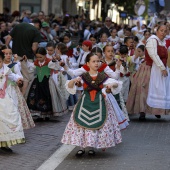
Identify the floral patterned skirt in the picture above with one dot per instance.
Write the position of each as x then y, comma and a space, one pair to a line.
15, 93
11, 130
108, 136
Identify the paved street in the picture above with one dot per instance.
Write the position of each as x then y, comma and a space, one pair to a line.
42, 141
145, 146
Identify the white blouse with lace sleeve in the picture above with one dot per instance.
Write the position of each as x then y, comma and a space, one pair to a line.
112, 82
151, 47
54, 65
111, 73
109, 81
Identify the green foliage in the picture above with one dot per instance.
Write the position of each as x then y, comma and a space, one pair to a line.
127, 4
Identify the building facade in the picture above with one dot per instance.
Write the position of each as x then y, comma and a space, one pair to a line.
48, 6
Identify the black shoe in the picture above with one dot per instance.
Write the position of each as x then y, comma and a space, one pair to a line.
142, 118
47, 118
39, 120
6, 149
158, 116
80, 153
91, 153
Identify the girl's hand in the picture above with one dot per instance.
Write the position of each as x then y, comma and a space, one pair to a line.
20, 81
109, 86
58, 57
15, 57
62, 64
118, 64
164, 73
54, 58
24, 58
77, 80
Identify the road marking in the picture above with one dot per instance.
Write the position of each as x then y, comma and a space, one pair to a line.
58, 156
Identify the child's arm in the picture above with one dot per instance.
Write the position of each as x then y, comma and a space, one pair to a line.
54, 65
70, 85
14, 77
17, 70
76, 72
114, 85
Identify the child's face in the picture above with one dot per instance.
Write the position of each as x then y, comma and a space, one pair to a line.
8, 55
99, 55
140, 52
93, 40
109, 52
113, 33
103, 38
66, 40
85, 48
130, 43
123, 56
147, 35
50, 50
1, 62
40, 57
58, 51
127, 33
94, 63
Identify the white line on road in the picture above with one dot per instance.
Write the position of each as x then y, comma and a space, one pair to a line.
58, 156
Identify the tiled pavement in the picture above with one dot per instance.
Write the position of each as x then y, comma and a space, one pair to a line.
41, 142
145, 146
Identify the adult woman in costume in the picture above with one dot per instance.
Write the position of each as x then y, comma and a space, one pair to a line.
150, 91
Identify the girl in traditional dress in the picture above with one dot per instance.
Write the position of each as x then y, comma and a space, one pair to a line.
11, 130
61, 51
50, 50
150, 92
111, 62
93, 122
16, 94
39, 97
146, 35
58, 91
103, 40
93, 39
126, 69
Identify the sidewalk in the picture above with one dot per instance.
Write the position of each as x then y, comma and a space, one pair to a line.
145, 146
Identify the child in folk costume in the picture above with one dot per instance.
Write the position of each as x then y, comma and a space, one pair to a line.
57, 81
93, 122
111, 62
11, 130
114, 39
103, 40
61, 51
58, 91
129, 42
86, 46
39, 97
50, 50
71, 47
16, 94
93, 39
124, 70
139, 56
